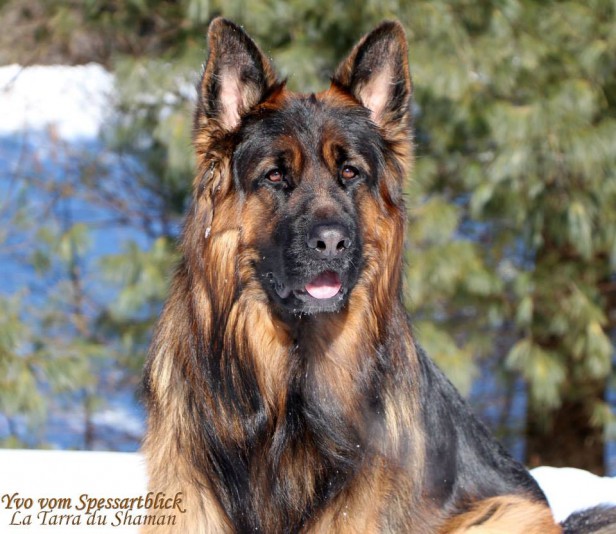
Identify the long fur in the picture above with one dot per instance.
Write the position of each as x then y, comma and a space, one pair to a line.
276, 422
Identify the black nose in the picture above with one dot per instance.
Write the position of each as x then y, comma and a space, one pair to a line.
329, 240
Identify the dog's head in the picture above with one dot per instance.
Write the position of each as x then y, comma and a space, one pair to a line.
310, 185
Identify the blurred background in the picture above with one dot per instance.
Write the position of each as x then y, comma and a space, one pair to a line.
511, 258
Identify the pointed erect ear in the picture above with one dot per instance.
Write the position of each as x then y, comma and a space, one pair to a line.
376, 73
236, 77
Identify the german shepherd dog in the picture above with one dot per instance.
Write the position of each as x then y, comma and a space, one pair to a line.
286, 392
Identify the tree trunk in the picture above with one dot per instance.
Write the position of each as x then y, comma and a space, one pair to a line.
567, 439
88, 435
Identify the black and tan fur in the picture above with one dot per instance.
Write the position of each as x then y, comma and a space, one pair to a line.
275, 413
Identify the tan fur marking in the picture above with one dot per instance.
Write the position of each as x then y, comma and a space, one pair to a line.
509, 514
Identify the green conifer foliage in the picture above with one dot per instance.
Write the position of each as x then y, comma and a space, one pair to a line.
517, 131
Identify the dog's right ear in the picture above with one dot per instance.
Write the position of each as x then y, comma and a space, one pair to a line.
376, 73
236, 78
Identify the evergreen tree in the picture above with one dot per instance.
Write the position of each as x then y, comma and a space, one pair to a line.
516, 161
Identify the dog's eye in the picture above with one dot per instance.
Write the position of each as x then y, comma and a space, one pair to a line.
348, 173
275, 176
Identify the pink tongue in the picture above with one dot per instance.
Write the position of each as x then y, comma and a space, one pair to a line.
324, 286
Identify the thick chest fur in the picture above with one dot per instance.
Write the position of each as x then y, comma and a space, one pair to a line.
310, 457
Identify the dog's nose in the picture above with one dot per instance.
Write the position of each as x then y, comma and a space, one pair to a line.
329, 240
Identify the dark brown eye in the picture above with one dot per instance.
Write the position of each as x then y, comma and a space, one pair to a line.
275, 176
348, 172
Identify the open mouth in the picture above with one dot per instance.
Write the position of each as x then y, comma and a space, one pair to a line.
326, 285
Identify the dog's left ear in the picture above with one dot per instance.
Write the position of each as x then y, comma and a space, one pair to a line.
376, 73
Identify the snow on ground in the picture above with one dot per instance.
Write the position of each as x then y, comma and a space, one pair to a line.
569, 490
85, 477
72, 100
61, 475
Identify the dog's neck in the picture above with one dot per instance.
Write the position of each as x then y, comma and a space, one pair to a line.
311, 394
